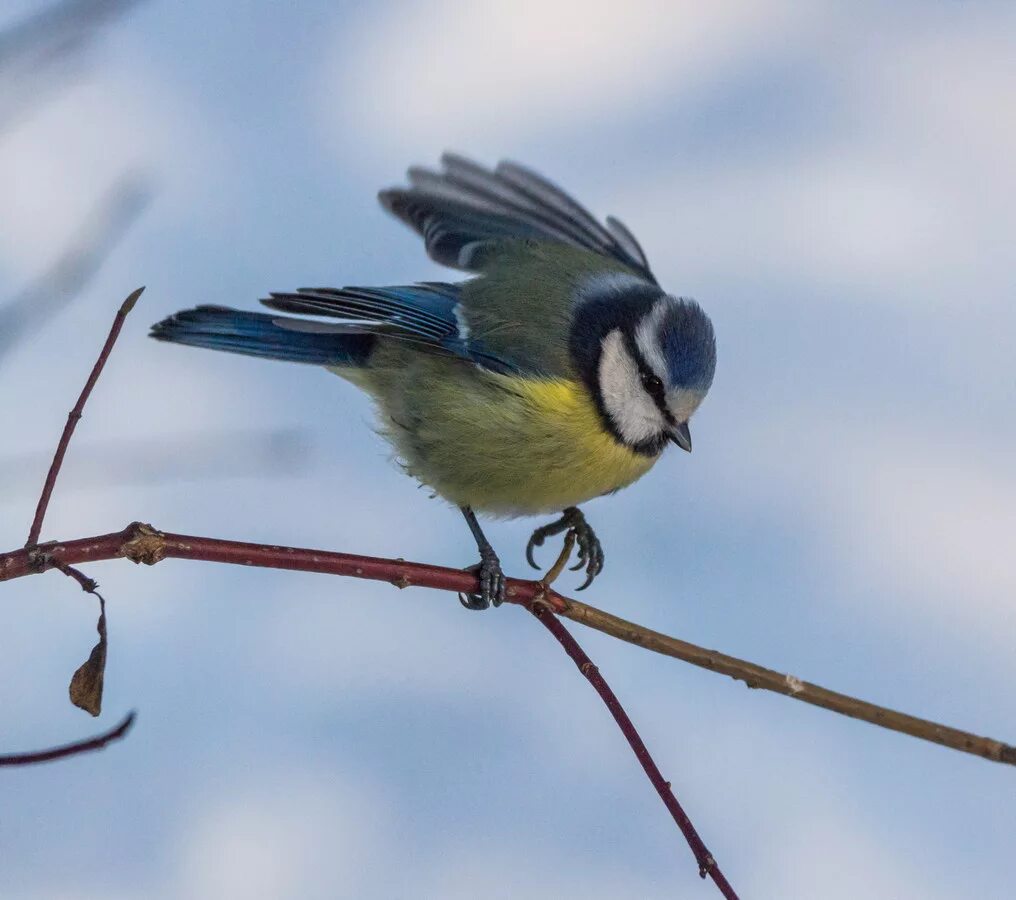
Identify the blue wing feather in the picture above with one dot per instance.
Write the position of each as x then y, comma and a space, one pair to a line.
424, 314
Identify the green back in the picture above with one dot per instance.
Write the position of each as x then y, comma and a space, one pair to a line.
521, 307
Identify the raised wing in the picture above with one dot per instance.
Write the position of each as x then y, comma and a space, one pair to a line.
466, 212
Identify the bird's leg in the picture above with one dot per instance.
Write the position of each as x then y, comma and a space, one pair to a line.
590, 551
489, 568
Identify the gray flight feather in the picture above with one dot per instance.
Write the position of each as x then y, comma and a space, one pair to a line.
468, 214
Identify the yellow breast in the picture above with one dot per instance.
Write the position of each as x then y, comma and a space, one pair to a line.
535, 446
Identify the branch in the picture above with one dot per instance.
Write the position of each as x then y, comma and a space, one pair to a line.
75, 415
143, 544
75, 749
706, 863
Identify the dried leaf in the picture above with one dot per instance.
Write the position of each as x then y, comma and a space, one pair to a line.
86, 684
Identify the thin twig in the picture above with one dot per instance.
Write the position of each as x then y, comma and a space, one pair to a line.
706, 862
75, 415
562, 558
79, 747
144, 544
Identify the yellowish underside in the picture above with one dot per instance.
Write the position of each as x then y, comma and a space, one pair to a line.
503, 445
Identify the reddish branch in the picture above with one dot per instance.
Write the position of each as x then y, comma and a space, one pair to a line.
78, 747
141, 543
144, 544
706, 862
75, 414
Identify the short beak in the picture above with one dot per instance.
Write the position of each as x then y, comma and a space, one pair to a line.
681, 435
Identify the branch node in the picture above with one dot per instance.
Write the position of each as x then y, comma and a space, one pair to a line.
39, 559
540, 603
146, 546
707, 865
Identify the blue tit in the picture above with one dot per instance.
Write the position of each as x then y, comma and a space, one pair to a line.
558, 373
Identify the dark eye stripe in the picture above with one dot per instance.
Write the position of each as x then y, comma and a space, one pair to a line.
654, 387
650, 380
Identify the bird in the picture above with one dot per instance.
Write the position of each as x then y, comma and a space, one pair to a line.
558, 372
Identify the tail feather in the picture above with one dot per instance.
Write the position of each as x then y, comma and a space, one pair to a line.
266, 336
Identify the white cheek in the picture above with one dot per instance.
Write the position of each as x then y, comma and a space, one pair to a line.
626, 402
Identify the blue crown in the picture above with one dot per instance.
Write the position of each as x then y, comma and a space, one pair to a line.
689, 345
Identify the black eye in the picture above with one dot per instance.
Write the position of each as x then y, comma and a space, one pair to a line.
652, 384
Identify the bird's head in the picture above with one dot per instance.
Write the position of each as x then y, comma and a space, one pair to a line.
648, 359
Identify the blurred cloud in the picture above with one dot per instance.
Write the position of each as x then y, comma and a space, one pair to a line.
54, 167
866, 869
932, 518
43, 50
303, 834
176, 458
71, 273
452, 74
911, 181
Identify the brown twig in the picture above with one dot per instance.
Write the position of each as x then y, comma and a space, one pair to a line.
75, 749
75, 415
562, 558
144, 544
706, 862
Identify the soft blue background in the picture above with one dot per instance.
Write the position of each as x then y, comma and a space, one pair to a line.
833, 181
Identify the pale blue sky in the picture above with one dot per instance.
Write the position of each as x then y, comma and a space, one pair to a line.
835, 186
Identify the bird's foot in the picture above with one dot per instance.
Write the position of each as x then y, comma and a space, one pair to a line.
590, 551
491, 582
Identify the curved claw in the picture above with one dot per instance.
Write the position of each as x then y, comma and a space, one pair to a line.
530, 547
492, 583
590, 553
473, 601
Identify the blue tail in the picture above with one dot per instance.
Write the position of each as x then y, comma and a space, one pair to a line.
266, 336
